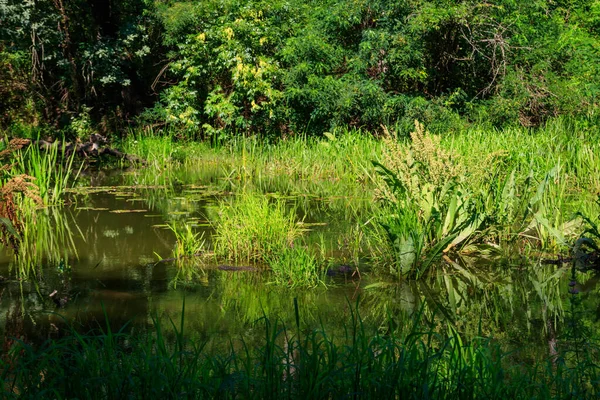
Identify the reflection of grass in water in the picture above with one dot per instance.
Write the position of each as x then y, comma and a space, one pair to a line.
292, 362
508, 300
246, 298
47, 238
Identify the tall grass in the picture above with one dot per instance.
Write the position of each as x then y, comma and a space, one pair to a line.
332, 166
425, 362
254, 228
52, 169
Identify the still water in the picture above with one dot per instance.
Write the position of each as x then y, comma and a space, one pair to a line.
96, 262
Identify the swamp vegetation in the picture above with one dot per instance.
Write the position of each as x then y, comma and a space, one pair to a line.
299, 199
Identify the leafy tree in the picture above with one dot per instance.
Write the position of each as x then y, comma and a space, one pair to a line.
285, 67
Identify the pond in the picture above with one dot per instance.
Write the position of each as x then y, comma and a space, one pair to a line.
103, 258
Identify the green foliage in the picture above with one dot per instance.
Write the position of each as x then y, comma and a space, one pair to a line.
252, 228
428, 360
274, 67
286, 67
296, 266
188, 242
61, 56
586, 249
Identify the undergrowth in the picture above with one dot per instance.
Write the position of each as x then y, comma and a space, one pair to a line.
422, 361
440, 199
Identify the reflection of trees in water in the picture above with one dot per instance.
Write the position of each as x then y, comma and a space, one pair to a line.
24, 318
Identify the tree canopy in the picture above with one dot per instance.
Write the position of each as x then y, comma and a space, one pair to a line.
283, 67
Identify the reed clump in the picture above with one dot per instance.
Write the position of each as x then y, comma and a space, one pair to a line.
296, 266
188, 243
52, 168
438, 198
254, 228
424, 162
13, 194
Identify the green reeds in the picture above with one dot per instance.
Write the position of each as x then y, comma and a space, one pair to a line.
188, 243
424, 361
466, 192
52, 169
254, 228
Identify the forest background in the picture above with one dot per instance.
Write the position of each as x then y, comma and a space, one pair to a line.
213, 69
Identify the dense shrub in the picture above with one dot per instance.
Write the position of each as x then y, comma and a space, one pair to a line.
212, 68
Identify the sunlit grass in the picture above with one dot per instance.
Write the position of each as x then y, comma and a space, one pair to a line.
188, 243
52, 169
253, 228
518, 187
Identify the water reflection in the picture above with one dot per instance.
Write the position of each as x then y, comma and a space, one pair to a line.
101, 252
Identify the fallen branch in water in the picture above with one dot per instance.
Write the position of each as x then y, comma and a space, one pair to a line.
95, 147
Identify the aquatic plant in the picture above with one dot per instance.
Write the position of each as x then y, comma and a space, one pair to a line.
188, 243
13, 209
332, 166
253, 228
463, 196
585, 252
428, 209
295, 266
